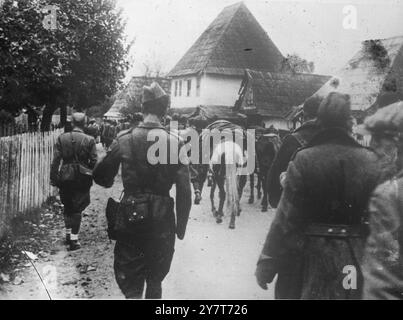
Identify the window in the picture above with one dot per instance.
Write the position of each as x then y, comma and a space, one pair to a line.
180, 88
198, 80
189, 87
176, 88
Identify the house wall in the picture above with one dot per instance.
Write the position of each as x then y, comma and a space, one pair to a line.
220, 90
214, 90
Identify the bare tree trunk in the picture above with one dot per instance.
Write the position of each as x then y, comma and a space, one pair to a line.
47, 118
63, 115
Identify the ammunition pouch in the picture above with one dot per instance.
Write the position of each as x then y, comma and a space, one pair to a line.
137, 215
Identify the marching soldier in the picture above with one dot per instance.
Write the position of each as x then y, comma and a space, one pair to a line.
299, 138
93, 129
383, 262
74, 149
145, 240
320, 223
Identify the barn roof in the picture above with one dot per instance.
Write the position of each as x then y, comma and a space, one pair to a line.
275, 94
233, 42
373, 77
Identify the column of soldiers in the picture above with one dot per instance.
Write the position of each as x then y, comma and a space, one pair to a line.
320, 183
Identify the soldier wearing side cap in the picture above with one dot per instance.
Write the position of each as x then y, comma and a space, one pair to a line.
383, 261
145, 245
73, 147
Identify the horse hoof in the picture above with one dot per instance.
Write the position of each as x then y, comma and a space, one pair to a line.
251, 200
232, 226
219, 220
264, 209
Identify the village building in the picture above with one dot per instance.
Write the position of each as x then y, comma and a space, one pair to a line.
211, 71
269, 98
373, 77
131, 95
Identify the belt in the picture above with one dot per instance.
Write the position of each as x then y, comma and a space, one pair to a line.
145, 191
336, 231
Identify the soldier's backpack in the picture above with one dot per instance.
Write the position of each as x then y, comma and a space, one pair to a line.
74, 174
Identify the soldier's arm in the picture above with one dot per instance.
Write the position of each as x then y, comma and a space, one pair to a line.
183, 199
280, 164
383, 276
105, 171
57, 158
281, 241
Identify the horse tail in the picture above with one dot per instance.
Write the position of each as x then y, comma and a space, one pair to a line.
231, 188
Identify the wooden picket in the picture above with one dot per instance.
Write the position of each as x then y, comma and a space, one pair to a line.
25, 161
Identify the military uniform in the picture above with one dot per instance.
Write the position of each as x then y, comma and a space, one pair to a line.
75, 198
319, 227
93, 130
383, 261
299, 138
146, 258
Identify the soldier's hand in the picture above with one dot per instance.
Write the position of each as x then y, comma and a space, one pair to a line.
264, 274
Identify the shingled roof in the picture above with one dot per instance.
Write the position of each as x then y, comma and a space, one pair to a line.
275, 94
373, 77
233, 42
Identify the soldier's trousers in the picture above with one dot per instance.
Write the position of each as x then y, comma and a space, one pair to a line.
143, 262
74, 201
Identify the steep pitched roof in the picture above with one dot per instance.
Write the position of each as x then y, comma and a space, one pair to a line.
275, 94
233, 42
373, 77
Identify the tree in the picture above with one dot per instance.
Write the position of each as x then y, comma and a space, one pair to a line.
294, 63
98, 111
78, 64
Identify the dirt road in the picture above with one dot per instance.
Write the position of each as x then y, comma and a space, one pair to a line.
213, 262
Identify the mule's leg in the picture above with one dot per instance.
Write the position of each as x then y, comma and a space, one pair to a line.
264, 200
252, 188
259, 186
212, 191
234, 213
241, 184
222, 195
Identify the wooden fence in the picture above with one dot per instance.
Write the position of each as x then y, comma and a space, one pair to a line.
25, 173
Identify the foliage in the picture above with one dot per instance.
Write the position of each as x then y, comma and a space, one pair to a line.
78, 64
294, 63
6, 117
98, 111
